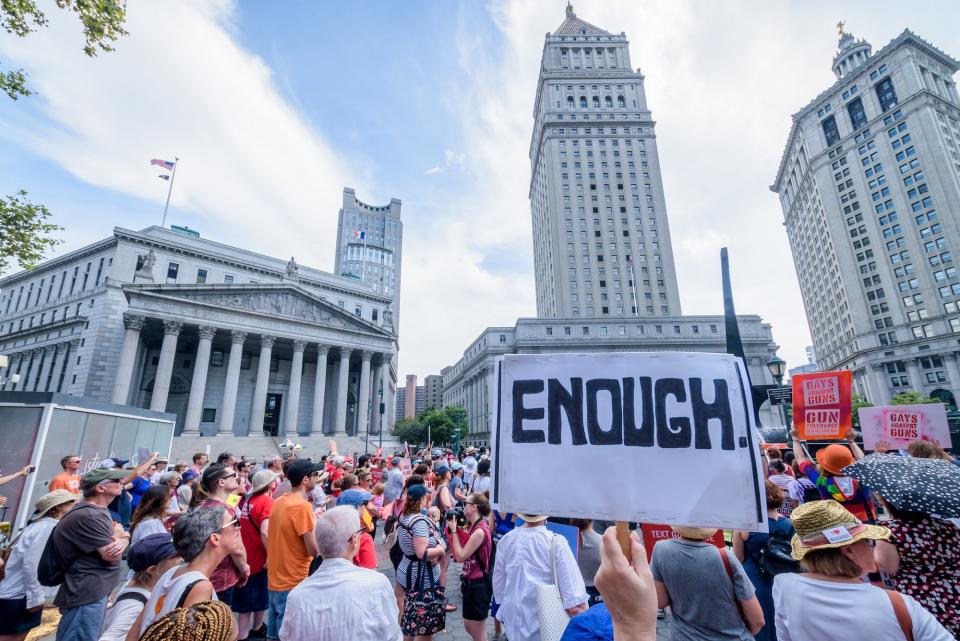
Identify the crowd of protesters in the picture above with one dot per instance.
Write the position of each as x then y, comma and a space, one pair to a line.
287, 549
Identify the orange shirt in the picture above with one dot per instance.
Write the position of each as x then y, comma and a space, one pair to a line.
288, 561
65, 481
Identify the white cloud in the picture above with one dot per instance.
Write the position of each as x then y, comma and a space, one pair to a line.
436, 169
454, 159
179, 84
722, 80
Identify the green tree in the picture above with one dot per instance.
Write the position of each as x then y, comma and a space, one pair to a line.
24, 230
912, 398
410, 431
858, 401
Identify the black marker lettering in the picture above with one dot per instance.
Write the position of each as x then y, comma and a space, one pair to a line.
521, 413
599, 436
703, 412
571, 402
676, 432
642, 437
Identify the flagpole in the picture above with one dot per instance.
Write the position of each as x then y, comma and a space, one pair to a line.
163, 223
363, 264
633, 287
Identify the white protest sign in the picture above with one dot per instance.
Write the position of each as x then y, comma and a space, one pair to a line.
654, 437
900, 424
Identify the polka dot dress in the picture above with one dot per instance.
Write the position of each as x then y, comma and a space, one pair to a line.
930, 566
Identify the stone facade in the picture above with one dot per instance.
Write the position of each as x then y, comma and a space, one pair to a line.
601, 239
232, 342
869, 184
469, 382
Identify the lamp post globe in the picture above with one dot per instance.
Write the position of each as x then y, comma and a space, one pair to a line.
777, 367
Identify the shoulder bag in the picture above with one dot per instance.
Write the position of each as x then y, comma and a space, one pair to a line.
551, 614
424, 611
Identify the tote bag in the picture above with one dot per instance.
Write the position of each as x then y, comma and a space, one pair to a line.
550, 611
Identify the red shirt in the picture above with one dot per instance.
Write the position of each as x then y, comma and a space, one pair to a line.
253, 513
367, 554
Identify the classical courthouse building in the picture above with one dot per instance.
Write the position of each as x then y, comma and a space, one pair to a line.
605, 274
235, 343
869, 184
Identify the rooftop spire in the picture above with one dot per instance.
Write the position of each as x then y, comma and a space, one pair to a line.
570, 13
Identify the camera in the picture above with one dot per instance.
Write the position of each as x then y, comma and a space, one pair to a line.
456, 513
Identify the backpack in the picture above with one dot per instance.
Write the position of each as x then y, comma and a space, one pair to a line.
50, 571
775, 557
810, 493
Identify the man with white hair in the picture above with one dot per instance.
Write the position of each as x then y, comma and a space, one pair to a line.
341, 601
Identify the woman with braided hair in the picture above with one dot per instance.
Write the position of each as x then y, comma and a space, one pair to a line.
203, 621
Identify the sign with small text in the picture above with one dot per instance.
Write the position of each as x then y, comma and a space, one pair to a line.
653, 533
822, 404
898, 425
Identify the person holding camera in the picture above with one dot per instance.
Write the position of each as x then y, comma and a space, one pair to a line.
443, 499
476, 586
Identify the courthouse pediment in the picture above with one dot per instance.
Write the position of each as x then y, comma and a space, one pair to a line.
276, 301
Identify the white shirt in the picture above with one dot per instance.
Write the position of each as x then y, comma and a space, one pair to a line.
122, 615
481, 483
523, 562
169, 589
812, 610
21, 569
341, 601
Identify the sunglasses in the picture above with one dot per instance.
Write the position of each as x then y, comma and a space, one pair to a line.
226, 525
231, 475
360, 531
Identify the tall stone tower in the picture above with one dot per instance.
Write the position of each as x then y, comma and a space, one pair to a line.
369, 246
869, 184
600, 233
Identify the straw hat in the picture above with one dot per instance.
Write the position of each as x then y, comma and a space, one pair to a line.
51, 500
262, 479
833, 458
697, 533
822, 525
533, 518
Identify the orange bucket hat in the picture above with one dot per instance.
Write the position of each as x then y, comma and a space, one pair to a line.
833, 458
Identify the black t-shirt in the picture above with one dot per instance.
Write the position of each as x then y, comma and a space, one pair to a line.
88, 578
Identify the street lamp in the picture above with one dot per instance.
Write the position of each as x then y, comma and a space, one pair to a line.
778, 367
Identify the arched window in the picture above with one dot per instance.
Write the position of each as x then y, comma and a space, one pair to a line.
608, 102
569, 102
621, 102
583, 102
596, 102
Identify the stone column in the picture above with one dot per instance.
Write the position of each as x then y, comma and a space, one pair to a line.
390, 394
191, 424
916, 378
128, 357
11, 370
48, 353
69, 364
953, 372
319, 389
228, 406
375, 397
292, 413
60, 366
168, 353
260, 391
363, 403
343, 381
28, 373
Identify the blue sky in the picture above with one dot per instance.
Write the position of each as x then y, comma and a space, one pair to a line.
275, 107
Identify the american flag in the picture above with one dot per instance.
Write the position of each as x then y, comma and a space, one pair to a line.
166, 164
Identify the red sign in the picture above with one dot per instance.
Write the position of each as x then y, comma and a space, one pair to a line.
654, 533
821, 404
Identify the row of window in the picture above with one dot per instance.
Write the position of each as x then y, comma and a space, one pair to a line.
886, 96
30, 294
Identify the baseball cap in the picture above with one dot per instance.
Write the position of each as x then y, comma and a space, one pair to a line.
441, 469
101, 474
417, 491
189, 475
395, 460
457, 465
150, 550
299, 470
113, 462
354, 497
